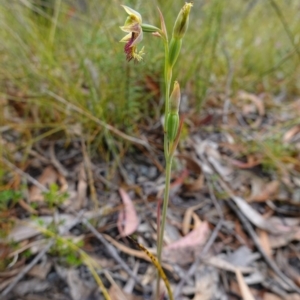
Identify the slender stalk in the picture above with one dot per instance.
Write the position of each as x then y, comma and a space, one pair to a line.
168, 78
168, 159
165, 206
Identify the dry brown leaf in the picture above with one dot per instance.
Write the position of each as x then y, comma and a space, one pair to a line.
264, 241
194, 238
269, 296
183, 251
245, 291
127, 220
252, 161
186, 223
49, 176
288, 136
264, 192
197, 220
116, 293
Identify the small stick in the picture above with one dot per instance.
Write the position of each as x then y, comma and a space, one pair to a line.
24, 174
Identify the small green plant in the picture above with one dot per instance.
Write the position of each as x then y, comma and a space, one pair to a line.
9, 198
54, 197
66, 253
135, 28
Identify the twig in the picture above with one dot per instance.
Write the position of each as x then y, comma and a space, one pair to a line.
24, 174
207, 246
56, 162
247, 225
112, 251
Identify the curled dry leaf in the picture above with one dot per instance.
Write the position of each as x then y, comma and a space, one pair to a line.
184, 250
252, 161
186, 223
127, 220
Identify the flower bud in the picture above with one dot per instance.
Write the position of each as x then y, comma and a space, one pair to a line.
149, 28
175, 46
182, 21
173, 115
179, 29
172, 126
175, 98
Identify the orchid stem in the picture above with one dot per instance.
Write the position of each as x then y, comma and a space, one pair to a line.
168, 159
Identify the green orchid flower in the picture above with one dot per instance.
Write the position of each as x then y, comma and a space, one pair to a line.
133, 25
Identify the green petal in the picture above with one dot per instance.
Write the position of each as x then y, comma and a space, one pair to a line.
132, 12
126, 38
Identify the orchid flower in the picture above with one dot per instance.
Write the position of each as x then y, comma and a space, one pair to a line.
133, 25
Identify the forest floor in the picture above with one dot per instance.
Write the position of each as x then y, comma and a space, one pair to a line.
233, 226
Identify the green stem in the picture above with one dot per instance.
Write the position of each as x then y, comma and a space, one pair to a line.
165, 207
168, 159
168, 79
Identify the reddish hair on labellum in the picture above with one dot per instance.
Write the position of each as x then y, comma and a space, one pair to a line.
128, 48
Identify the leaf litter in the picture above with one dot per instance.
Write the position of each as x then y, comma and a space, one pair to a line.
242, 165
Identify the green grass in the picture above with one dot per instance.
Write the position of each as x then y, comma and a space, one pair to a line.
80, 59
